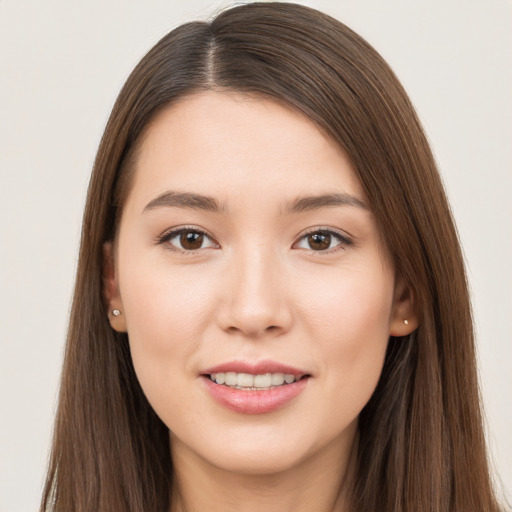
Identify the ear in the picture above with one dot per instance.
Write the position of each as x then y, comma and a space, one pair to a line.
404, 317
111, 290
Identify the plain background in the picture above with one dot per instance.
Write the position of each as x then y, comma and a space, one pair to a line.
62, 64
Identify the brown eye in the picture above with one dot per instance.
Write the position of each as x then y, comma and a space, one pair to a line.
187, 240
323, 241
319, 241
191, 240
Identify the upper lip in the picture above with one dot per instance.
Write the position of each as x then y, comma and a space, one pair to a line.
255, 368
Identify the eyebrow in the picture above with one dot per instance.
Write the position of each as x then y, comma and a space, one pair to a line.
210, 204
308, 203
185, 200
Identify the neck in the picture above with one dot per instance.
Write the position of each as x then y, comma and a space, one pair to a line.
321, 483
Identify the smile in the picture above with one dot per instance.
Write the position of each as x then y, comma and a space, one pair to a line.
248, 381
259, 389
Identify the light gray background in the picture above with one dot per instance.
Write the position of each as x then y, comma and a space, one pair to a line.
62, 64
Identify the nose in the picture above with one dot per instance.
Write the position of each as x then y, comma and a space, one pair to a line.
254, 299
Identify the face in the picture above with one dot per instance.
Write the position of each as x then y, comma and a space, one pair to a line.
256, 291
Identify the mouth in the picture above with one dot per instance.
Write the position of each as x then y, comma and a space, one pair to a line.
254, 388
258, 382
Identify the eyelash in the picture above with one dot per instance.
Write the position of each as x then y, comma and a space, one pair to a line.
344, 240
173, 233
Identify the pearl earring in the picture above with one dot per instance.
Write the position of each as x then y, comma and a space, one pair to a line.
406, 322
116, 312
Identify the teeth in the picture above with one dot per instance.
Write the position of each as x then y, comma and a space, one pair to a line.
245, 380
248, 381
277, 379
231, 379
263, 381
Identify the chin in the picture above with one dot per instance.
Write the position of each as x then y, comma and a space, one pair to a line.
258, 460
262, 450
248, 450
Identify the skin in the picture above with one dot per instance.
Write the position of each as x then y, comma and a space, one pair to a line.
254, 290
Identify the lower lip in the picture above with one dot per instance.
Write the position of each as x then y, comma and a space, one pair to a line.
254, 401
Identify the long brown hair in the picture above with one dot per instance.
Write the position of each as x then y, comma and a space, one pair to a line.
422, 446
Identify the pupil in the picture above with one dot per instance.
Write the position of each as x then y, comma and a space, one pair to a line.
319, 241
191, 240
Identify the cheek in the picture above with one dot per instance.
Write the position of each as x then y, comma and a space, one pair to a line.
350, 303
349, 320
166, 315
162, 310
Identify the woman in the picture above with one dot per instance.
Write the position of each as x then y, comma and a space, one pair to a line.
271, 310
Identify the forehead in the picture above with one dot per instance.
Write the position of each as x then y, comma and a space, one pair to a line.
225, 143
